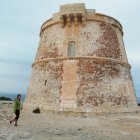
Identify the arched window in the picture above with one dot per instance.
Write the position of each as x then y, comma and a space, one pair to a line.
71, 49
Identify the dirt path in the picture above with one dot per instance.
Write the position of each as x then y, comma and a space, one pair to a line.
63, 127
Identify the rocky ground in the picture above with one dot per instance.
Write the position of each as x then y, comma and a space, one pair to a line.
48, 126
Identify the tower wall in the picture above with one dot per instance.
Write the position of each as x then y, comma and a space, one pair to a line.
81, 64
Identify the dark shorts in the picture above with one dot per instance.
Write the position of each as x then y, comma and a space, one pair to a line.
17, 112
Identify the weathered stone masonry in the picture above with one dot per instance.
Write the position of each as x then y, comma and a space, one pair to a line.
81, 64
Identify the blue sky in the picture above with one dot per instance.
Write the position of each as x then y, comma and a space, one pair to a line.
20, 22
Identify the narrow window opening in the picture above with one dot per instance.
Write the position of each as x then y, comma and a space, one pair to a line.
124, 90
45, 82
71, 49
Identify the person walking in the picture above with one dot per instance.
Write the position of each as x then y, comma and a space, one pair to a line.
17, 108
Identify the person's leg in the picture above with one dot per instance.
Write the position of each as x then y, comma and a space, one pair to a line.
17, 116
16, 122
14, 118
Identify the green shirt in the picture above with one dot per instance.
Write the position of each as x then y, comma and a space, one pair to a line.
17, 105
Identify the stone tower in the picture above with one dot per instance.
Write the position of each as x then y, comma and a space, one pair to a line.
81, 64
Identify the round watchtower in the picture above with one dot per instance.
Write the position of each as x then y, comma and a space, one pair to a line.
81, 64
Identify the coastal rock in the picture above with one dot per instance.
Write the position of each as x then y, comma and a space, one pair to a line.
5, 99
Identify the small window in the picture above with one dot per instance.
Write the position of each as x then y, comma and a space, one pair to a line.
124, 90
71, 49
45, 82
